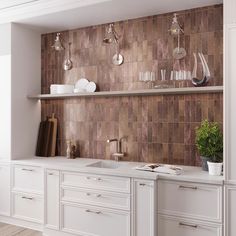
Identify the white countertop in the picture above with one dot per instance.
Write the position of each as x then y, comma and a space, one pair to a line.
126, 169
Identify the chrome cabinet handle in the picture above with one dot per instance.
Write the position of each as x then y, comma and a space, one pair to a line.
24, 169
142, 184
187, 225
94, 212
27, 198
95, 178
188, 187
96, 195
50, 173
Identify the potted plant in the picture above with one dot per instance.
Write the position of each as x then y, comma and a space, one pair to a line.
209, 142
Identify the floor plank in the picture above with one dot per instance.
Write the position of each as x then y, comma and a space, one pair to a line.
12, 230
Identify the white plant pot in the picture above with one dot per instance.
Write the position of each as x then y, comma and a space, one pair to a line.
214, 168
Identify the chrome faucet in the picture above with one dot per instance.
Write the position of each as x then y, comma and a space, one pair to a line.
118, 154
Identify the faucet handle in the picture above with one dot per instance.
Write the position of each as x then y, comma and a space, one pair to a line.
117, 156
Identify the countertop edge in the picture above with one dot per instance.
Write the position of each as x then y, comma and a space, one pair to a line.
197, 175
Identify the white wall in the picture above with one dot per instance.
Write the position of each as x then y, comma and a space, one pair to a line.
229, 11
26, 79
5, 93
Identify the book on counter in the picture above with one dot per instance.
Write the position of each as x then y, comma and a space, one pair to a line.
161, 168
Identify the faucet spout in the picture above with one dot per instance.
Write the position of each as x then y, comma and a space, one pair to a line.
112, 140
118, 154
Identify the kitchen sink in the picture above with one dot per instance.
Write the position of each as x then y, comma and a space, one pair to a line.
105, 164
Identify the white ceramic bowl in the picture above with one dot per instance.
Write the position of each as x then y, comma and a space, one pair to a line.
91, 87
61, 88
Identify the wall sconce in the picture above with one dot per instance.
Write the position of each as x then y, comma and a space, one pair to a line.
58, 46
176, 30
113, 38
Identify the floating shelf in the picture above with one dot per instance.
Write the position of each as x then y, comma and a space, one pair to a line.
145, 92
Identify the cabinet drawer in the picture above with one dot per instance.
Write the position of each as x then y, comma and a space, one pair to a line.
28, 207
97, 197
103, 182
190, 200
28, 179
82, 220
169, 226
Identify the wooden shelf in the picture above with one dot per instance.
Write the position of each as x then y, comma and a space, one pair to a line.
146, 92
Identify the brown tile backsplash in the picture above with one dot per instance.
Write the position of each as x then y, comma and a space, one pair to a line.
158, 128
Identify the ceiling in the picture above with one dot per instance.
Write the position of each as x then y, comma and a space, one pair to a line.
96, 12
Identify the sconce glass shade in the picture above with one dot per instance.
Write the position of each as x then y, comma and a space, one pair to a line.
175, 28
58, 44
111, 35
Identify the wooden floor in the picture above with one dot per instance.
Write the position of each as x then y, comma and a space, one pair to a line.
11, 230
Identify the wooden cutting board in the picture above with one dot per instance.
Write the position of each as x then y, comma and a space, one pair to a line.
54, 121
40, 141
44, 138
43, 148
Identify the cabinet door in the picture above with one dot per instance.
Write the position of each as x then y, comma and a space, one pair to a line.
230, 226
5, 190
87, 220
52, 199
173, 226
144, 208
230, 105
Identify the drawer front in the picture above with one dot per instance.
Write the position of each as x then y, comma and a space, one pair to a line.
109, 183
97, 197
28, 179
168, 226
190, 200
82, 220
28, 207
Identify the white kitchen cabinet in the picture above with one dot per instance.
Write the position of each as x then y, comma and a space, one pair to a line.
230, 217
120, 201
52, 199
28, 179
174, 226
230, 106
144, 210
28, 207
28, 193
190, 200
189, 209
88, 220
5, 190
102, 182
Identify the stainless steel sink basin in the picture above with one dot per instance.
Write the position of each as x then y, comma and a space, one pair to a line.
105, 164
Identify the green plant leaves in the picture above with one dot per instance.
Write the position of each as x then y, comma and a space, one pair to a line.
209, 141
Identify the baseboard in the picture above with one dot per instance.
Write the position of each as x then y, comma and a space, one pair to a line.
21, 223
